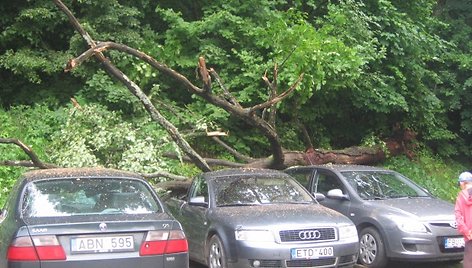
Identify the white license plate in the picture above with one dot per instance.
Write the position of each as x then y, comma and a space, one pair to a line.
102, 244
454, 242
311, 253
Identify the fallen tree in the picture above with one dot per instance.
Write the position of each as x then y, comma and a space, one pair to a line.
254, 115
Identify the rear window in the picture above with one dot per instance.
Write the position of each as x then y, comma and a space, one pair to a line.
69, 197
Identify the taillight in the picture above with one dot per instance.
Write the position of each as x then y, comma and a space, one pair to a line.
45, 247
48, 248
22, 249
164, 242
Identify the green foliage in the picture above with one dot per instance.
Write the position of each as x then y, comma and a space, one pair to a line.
8, 176
367, 65
453, 83
32, 65
94, 136
432, 172
34, 126
115, 96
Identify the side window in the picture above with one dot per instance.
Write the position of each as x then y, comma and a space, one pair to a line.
200, 189
303, 177
3, 213
326, 182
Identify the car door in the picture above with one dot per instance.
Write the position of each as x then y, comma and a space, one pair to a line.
194, 220
325, 181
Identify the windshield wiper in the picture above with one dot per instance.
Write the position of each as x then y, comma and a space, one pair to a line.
376, 198
292, 202
238, 205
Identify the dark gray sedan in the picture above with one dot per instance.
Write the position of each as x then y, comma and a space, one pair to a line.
92, 218
396, 219
261, 218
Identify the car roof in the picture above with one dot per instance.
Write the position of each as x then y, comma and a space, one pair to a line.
341, 168
242, 172
85, 172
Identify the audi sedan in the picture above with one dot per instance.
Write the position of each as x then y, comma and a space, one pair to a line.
88, 217
242, 218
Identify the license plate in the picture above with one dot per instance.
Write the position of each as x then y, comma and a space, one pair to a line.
102, 244
311, 253
454, 242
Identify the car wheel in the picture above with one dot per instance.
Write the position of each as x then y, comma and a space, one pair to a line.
372, 249
216, 253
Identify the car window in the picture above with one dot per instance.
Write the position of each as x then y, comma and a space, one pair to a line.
68, 197
303, 177
200, 189
326, 182
2, 214
381, 185
252, 190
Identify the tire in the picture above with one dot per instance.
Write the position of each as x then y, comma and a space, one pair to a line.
372, 249
216, 254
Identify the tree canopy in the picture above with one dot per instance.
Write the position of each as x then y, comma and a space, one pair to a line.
372, 70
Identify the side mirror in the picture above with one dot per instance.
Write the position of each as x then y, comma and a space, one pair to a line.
198, 201
337, 194
2, 214
319, 196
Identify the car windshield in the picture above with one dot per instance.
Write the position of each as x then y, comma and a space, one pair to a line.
69, 197
382, 185
254, 190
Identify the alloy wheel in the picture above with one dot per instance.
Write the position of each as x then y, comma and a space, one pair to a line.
368, 248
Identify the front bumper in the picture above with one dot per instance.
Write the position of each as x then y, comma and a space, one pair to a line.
252, 254
428, 247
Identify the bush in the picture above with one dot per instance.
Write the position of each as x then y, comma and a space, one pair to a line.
438, 176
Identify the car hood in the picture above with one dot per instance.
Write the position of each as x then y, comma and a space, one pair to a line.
425, 208
279, 214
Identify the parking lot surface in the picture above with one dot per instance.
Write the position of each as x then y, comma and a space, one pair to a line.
392, 265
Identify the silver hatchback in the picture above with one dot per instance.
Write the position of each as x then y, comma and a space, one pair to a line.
396, 219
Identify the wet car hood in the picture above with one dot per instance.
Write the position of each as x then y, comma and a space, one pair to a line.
279, 214
426, 208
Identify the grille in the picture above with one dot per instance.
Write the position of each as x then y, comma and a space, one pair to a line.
311, 263
326, 234
348, 259
452, 225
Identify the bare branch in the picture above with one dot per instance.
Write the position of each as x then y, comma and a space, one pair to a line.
135, 90
278, 98
226, 94
164, 174
211, 161
206, 78
232, 151
35, 162
17, 163
103, 46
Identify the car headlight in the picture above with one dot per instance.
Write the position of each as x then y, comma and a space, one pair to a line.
254, 235
410, 226
348, 233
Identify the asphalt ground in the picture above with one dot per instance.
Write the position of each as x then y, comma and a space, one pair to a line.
391, 265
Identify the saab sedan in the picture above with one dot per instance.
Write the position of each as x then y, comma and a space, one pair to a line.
88, 217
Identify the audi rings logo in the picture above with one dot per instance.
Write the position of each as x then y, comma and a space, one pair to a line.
309, 235
453, 224
103, 227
